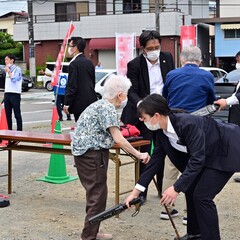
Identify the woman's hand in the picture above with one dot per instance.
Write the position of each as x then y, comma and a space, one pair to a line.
169, 196
134, 194
144, 157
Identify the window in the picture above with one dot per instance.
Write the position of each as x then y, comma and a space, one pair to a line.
65, 12
131, 6
232, 33
101, 7
82, 9
3, 30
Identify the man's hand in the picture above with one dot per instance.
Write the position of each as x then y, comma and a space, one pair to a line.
169, 196
65, 109
222, 103
144, 157
7, 69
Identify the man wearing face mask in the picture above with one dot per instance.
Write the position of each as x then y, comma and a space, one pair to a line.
237, 57
81, 80
147, 73
12, 93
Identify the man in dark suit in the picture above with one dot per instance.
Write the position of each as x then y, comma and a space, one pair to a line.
234, 111
80, 91
147, 73
205, 152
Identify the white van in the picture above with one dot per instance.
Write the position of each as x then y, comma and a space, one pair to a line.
100, 77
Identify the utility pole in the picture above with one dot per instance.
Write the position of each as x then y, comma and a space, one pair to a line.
157, 24
32, 63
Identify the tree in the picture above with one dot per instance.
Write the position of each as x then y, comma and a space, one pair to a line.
8, 46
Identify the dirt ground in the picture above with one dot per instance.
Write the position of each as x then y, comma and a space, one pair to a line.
42, 211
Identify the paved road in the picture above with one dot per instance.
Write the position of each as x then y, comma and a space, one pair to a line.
36, 107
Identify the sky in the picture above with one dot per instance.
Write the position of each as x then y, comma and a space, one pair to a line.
12, 6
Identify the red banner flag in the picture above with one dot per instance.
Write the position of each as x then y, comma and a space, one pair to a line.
61, 55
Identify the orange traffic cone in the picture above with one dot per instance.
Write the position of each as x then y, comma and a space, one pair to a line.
53, 123
54, 118
3, 125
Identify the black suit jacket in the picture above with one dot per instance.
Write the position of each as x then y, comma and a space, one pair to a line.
81, 83
234, 111
209, 144
137, 72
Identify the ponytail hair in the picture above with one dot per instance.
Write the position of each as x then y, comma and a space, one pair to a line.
155, 103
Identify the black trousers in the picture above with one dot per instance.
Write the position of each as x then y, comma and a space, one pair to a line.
76, 116
92, 171
12, 103
201, 210
59, 105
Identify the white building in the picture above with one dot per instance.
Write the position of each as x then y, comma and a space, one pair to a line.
98, 21
225, 42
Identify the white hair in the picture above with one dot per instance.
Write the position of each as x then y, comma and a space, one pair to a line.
115, 84
191, 54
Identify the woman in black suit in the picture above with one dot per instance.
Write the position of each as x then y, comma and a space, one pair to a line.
205, 152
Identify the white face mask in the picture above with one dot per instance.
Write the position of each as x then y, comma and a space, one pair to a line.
70, 51
153, 55
237, 65
123, 103
152, 127
9, 65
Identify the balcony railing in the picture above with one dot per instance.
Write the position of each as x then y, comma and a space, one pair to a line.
66, 17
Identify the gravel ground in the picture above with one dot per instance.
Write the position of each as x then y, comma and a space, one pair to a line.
42, 211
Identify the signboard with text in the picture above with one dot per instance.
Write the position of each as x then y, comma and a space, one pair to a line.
188, 36
125, 48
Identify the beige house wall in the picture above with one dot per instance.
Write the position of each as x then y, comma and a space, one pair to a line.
7, 24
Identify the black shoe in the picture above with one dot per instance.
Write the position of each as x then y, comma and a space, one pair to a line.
60, 119
237, 179
190, 237
184, 221
164, 215
69, 119
4, 201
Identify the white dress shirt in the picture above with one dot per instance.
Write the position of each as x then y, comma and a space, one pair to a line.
155, 77
233, 100
173, 138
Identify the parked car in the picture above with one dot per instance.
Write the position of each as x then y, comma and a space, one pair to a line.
216, 72
225, 87
27, 82
100, 77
